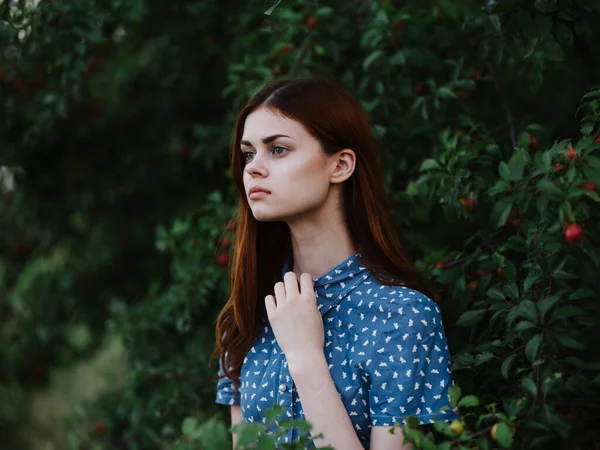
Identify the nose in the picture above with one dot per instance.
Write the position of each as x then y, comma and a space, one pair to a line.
256, 166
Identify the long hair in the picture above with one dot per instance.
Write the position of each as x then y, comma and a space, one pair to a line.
334, 117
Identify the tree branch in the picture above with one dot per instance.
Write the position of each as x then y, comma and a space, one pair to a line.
301, 54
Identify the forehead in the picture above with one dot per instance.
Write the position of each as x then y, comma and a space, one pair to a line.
263, 122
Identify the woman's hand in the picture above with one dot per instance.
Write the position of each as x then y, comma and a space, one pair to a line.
295, 318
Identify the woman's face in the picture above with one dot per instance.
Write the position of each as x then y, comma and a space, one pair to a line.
283, 158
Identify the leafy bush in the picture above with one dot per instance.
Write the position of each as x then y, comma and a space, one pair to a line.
118, 116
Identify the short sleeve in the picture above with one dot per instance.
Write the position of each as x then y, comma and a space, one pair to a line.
227, 393
409, 368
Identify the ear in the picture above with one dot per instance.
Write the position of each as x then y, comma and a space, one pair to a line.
342, 165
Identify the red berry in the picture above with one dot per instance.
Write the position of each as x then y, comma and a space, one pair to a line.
514, 224
223, 260
571, 153
18, 84
224, 243
533, 143
597, 141
500, 272
99, 427
462, 93
474, 74
467, 203
574, 233
399, 25
440, 264
589, 185
472, 285
288, 48
312, 22
558, 166
482, 272
419, 88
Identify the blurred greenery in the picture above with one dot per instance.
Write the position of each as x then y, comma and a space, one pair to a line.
116, 198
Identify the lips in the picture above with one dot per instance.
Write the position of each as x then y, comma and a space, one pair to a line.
256, 194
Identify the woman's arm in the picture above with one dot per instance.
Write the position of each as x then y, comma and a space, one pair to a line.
321, 403
236, 417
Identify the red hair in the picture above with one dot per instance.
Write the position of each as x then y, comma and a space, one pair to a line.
334, 117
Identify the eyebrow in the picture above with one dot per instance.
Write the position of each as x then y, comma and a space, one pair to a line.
266, 140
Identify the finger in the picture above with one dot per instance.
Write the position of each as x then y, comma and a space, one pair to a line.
270, 305
306, 284
280, 292
291, 285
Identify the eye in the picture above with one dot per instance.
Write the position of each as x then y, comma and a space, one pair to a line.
276, 147
273, 150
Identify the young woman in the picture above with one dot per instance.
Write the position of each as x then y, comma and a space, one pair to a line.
327, 316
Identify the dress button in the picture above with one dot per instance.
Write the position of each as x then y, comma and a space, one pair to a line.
282, 388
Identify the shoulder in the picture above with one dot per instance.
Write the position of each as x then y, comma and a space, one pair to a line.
386, 303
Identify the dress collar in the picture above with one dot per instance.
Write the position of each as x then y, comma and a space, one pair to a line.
333, 286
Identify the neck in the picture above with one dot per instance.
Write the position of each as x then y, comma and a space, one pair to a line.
320, 243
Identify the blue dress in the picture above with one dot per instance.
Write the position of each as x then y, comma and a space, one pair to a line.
385, 346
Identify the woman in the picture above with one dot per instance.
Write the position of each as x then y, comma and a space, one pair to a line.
327, 315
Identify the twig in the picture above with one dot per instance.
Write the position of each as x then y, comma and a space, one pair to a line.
476, 253
507, 114
6, 10
303, 49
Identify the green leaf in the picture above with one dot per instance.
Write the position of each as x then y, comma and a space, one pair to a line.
470, 318
564, 312
549, 188
454, 392
524, 325
495, 293
570, 341
272, 8
528, 385
530, 280
533, 346
429, 164
504, 435
504, 171
369, 60
469, 400
505, 367
545, 304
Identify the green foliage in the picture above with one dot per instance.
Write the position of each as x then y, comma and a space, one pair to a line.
116, 119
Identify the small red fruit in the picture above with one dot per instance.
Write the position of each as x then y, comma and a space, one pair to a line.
467, 203
419, 88
288, 48
482, 272
185, 151
399, 25
574, 233
474, 75
589, 185
223, 260
533, 143
558, 166
571, 153
462, 93
99, 427
472, 285
18, 84
597, 141
312, 22
500, 272
440, 264
224, 243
